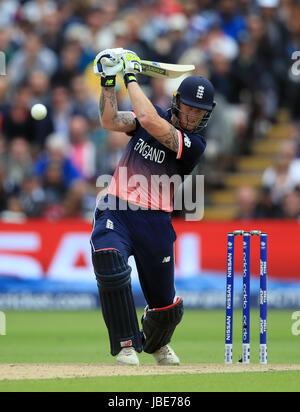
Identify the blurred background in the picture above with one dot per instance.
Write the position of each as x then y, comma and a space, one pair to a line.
49, 168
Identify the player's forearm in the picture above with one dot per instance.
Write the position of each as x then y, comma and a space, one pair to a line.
143, 108
108, 106
150, 120
111, 118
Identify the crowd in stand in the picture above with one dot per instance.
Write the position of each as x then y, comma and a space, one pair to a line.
279, 196
49, 168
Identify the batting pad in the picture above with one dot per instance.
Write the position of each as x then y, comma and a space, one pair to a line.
159, 325
118, 308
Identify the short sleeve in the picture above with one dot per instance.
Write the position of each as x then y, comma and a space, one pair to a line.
191, 147
138, 125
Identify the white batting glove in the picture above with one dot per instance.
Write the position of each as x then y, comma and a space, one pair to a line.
131, 62
108, 62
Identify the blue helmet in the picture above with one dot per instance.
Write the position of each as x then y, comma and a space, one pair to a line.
198, 92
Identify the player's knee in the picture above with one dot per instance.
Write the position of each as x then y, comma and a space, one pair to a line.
111, 269
159, 325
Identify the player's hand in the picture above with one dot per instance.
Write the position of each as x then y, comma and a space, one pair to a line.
108, 62
131, 62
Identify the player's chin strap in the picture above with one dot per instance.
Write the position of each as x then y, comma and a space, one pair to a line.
202, 124
159, 325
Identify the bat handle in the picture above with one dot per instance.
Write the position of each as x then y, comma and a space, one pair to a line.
106, 61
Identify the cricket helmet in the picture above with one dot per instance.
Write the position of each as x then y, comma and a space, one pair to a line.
198, 92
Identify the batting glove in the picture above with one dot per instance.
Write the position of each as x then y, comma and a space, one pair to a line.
131, 65
108, 64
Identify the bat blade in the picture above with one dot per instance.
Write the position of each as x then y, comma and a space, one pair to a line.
165, 70
156, 69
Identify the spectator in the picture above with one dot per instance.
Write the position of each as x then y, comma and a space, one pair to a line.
62, 110
265, 208
3, 150
110, 152
33, 57
246, 200
232, 23
101, 34
74, 201
54, 184
177, 25
79, 35
55, 190
122, 35
295, 136
249, 89
8, 9
7, 189
18, 121
196, 56
284, 176
159, 95
32, 197
19, 161
14, 212
84, 103
246, 72
39, 84
221, 76
35, 11
217, 41
3, 189
6, 45
221, 147
68, 65
51, 31
56, 156
190, 8
4, 102
82, 150
272, 48
291, 205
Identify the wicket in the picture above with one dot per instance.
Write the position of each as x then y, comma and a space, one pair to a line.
246, 295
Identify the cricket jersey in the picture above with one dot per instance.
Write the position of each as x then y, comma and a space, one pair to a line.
148, 171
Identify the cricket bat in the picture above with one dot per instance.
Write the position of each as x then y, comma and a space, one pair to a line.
163, 70
158, 70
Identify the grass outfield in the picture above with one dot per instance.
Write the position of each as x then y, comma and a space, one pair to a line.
80, 337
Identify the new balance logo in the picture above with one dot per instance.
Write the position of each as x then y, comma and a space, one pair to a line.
166, 259
109, 82
109, 224
200, 92
187, 141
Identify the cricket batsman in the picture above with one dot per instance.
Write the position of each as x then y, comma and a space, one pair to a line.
125, 224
